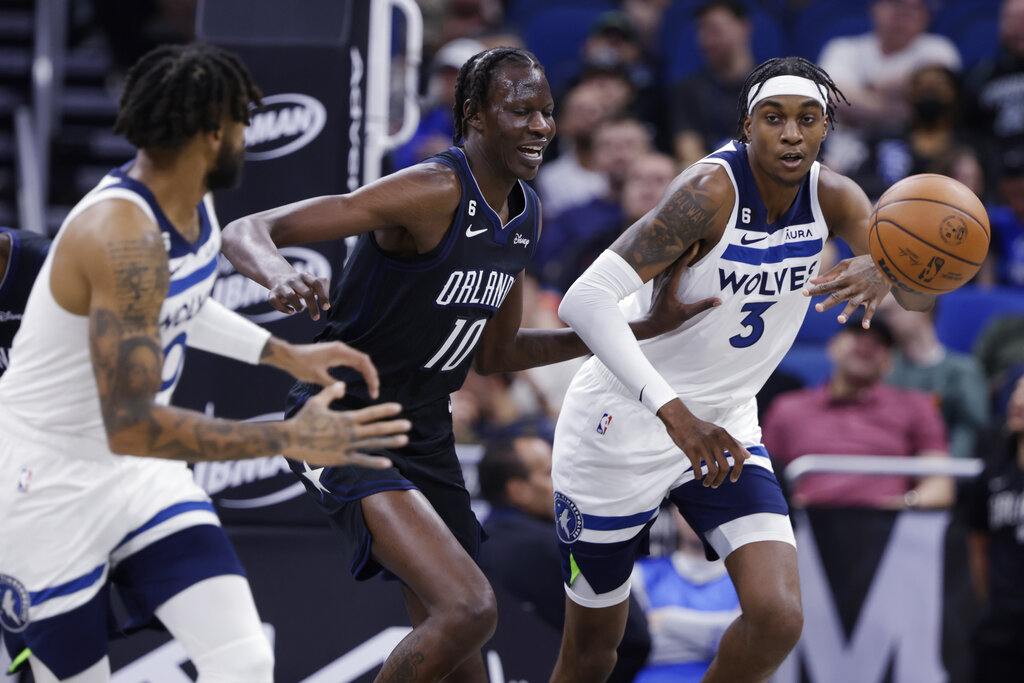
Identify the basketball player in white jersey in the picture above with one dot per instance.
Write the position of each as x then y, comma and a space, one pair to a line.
647, 420
124, 288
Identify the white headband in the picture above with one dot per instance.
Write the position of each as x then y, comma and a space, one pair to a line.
786, 85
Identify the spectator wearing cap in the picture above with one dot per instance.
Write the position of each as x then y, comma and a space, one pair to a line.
703, 107
437, 126
855, 413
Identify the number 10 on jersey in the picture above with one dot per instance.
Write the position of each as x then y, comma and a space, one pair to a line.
466, 339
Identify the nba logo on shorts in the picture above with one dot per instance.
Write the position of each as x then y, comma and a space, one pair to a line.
13, 604
602, 426
568, 520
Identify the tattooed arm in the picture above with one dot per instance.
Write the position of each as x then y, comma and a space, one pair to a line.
504, 347
111, 265
695, 211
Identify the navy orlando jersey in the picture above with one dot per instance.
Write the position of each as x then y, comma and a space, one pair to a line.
420, 318
28, 251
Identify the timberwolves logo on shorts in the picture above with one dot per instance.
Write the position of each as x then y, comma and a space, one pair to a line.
13, 604
567, 518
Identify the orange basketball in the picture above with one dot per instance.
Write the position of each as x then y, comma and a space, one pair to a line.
929, 233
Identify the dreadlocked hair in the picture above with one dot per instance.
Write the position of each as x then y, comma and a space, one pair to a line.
176, 91
787, 66
474, 81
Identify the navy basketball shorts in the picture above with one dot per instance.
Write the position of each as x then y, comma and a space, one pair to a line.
428, 463
613, 465
78, 522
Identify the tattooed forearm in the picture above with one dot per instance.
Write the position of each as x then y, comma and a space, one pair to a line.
140, 279
685, 217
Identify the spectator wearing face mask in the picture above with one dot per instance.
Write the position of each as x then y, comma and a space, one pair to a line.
933, 132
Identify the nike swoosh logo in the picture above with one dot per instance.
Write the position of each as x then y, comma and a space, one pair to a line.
470, 232
745, 241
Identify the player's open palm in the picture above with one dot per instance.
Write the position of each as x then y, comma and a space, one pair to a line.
313, 362
854, 280
325, 437
667, 310
704, 443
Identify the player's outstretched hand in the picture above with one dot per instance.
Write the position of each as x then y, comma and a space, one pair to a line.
300, 291
667, 311
703, 442
312, 362
854, 280
332, 438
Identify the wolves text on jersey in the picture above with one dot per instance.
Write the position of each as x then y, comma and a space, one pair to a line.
478, 288
766, 282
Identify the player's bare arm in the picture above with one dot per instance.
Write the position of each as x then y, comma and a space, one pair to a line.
116, 273
408, 212
505, 347
856, 281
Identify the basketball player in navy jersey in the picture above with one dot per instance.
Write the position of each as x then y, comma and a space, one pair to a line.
96, 491
685, 418
21, 257
432, 286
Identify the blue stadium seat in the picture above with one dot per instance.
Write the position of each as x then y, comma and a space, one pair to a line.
823, 20
963, 313
809, 362
556, 35
520, 12
972, 25
818, 328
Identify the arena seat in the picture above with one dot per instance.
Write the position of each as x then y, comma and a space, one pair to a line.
962, 313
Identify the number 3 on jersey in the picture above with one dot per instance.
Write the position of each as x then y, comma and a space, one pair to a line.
466, 343
754, 321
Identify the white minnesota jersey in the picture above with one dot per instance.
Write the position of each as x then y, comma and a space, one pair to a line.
723, 356
50, 386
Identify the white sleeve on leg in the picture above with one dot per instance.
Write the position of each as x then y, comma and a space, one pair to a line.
591, 308
216, 622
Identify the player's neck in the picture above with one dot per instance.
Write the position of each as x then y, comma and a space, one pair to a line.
176, 179
495, 183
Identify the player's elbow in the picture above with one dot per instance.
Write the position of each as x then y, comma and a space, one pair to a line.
128, 431
570, 305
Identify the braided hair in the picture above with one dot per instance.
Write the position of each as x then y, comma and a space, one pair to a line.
787, 66
474, 81
176, 91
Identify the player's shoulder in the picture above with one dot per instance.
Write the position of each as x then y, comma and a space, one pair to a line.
427, 180
707, 178
837, 193
110, 221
